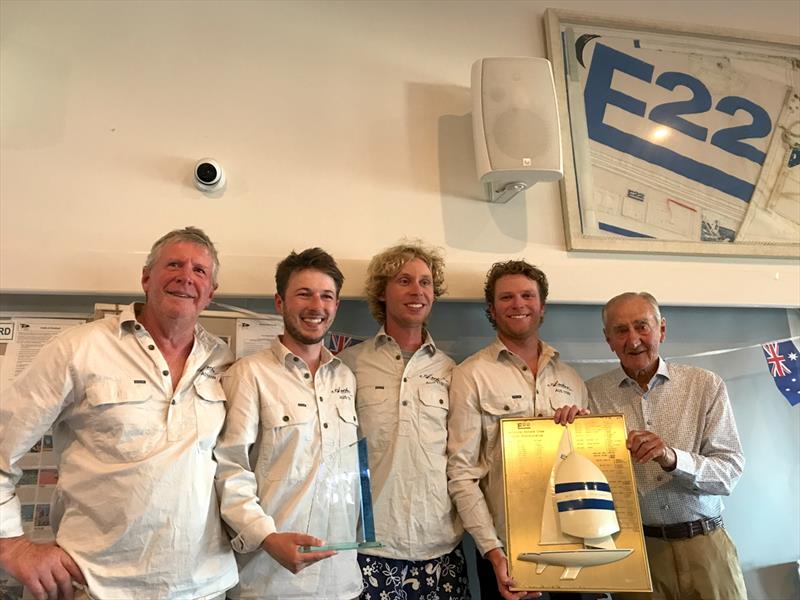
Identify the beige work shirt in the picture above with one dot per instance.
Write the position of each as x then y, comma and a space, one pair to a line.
135, 504
490, 385
402, 411
285, 428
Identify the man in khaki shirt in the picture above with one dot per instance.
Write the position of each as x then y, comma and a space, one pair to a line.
402, 403
517, 375
136, 406
290, 411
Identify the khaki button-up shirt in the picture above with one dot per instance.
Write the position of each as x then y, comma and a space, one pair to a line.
490, 385
135, 504
276, 455
402, 411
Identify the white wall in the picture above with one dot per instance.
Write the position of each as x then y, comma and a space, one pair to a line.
340, 124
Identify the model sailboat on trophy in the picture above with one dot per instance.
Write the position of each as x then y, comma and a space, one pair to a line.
578, 509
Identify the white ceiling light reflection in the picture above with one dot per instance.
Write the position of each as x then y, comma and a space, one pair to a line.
659, 134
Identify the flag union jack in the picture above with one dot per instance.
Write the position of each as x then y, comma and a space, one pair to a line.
337, 342
776, 360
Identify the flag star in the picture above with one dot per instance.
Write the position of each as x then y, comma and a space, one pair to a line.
792, 356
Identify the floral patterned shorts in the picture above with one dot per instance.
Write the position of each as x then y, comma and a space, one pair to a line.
443, 578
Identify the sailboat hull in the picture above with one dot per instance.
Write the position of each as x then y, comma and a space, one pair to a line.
588, 557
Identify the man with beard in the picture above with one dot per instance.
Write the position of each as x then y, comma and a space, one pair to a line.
685, 447
290, 406
517, 375
136, 405
402, 404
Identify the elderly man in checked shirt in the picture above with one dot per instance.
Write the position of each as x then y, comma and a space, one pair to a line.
136, 405
686, 451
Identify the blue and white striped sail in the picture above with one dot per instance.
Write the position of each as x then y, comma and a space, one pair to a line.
578, 508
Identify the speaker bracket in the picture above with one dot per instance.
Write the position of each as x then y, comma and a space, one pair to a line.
502, 193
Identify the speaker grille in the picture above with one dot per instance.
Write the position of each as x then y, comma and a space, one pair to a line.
520, 115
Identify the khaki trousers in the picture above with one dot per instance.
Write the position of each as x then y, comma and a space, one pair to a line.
705, 567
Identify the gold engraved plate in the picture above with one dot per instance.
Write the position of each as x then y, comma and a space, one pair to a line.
572, 512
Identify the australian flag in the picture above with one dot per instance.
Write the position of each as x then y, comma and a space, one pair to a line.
337, 342
783, 360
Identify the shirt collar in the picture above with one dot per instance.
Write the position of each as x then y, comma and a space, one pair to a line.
127, 318
286, 356
382, 338
127, 323
498, 348
661, 375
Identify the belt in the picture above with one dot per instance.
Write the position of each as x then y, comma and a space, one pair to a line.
679, 531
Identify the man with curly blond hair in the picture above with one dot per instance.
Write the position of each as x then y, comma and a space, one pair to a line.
402, 403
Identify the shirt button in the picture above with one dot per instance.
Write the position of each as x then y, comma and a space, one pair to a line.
405, 379
165, 373
137, 327
151, 347
295, 359
306, 375
666, 507
325, 425
649, 422
659, 478
405, 402
321, 399
397, 357
174, 402
540, 415
524, 368
506, 407
441, 401
285, 417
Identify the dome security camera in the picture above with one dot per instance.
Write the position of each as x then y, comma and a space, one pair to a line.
209, 175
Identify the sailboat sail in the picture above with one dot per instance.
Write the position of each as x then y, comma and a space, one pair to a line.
578, 509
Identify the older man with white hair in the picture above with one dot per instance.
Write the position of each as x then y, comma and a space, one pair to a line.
135, 404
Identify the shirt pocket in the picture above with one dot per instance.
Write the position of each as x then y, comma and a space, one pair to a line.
288, 442
377, 415
434, 404
210, 408
348, 423
126, 421
501, 406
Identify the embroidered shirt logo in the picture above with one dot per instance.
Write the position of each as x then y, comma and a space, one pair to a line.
560, 388
433, 379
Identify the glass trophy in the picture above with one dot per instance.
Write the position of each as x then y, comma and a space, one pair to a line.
341, 508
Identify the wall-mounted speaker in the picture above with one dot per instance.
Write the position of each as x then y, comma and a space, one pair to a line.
515, 125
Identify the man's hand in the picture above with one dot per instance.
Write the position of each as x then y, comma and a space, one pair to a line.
497, 557
285, 548
566, 414
45, 569
646, 446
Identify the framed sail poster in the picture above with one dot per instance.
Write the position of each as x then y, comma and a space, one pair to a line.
572, 512
677, 139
